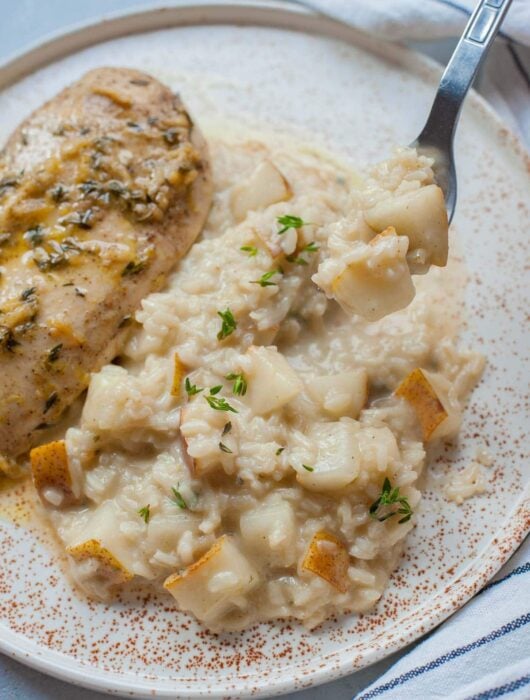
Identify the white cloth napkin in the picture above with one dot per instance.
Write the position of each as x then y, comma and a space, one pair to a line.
505, 81
483, 651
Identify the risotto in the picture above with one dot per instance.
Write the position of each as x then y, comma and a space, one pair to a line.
257, 447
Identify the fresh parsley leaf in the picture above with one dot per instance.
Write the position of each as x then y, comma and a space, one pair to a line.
308, 468
145, 513
191, 389
224, 448
177, 498
219, 404
264, 280
215, 389
390, 497
228, 325
289, 221
250, 249
240, 383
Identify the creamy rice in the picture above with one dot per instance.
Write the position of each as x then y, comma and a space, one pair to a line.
277, 492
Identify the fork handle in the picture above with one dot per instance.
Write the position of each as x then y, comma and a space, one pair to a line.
461, 70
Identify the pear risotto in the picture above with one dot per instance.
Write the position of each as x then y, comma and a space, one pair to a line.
257, 447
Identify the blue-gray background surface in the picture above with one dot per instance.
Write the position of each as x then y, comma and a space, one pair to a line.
23, 22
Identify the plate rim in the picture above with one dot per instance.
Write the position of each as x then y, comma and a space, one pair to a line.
295, 17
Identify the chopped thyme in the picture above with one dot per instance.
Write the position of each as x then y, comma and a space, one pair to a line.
191, 389
50, 401
219, 404
289, 221
145, 513
250, 249
133, 267
264, 280
297, 260
215, 389
279, 450
58, 193
311, 248
228, 325
227, 428
224, 448
177, 498
390, 497
27, 293
82, 219
53, 354
171, 136
308, 468
34, 236
240, 383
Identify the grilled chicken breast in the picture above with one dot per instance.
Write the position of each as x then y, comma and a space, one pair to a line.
102, 190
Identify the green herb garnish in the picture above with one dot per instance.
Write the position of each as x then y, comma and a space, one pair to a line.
34, 236
308, 468
145, 513
289, 221
228, 325
224, 448
177, 498
50, 401
250, 249
240, 383
310, 248
279, 450
215, 389
54, 353
27, 293
133, 267
191, 389
227, 428
264, 280
219, 404
390, 497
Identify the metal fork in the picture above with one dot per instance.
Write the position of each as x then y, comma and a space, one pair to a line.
436, 137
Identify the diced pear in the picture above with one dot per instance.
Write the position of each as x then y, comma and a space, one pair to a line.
337, 463
265, 186
272, 382
178, 374
422, 217
427, 393
51, 474
378, 282
342, 394
269, 531
328, 558
109, 567
378, 449
208, 587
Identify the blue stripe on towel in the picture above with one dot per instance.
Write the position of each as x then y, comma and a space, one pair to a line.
523, 569
501, 690
454, 654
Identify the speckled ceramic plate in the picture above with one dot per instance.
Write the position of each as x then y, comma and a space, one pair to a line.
348, 92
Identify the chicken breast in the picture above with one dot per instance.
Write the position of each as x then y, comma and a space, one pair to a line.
102, 190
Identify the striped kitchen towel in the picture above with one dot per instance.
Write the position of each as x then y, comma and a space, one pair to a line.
505, 80
482, 652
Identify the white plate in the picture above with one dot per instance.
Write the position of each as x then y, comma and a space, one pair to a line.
359, 97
